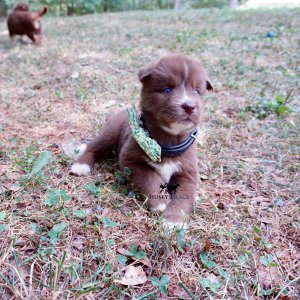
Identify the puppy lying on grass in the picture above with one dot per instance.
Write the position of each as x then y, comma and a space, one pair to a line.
171, 107
24, 22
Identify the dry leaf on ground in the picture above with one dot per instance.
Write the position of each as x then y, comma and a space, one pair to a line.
279, 180
79, 243
266, 276
133, 276
261, 201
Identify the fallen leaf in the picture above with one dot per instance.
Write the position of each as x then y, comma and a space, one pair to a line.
269, 169
108, 176
252, 160
278, 202
203, 177
279, 180
145, 261
133, 276
79, 243
2, 190
213, 278
266, 276
266, 220
261, 201
106, 212
207, 246
109, 104
15, 187
122, 251
230, 112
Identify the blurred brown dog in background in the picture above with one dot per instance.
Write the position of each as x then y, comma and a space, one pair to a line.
24, 22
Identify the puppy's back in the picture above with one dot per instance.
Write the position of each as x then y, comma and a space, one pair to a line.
19, 23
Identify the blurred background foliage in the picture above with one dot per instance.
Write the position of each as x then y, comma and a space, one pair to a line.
81, 7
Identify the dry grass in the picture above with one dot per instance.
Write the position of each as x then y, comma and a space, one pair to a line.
249, 194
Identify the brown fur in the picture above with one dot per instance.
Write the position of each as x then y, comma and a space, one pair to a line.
22, 6
24, 22
188, 81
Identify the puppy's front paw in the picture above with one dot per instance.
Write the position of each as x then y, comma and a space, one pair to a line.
160, 207
158, 204
80, 169
171, 225
174, 219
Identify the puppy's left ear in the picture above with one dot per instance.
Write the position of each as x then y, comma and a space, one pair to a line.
209, 85
145, 72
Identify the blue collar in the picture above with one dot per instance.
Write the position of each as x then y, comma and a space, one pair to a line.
175, 150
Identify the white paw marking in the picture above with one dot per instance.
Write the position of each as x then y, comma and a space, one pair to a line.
175, 225
160, 207
80, 169
166, 170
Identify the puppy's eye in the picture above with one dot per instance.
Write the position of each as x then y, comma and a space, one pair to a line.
167, 90
199, 92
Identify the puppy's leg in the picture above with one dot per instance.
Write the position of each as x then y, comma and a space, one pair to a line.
32, 36
101, 145
148, 182
181, 205
37, 39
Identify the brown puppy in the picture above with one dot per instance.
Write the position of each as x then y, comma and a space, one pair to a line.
171, 107
24, 22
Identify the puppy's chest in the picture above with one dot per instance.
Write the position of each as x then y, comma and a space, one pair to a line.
166, 169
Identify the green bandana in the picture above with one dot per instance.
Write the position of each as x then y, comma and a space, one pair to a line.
150, 146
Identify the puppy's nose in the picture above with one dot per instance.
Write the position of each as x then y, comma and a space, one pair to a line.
188, 108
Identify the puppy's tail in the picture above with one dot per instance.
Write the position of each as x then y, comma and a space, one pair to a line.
42, 11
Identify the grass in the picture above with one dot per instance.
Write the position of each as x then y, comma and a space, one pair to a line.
64, 237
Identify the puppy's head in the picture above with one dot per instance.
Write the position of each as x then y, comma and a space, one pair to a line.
22, 6
173, 92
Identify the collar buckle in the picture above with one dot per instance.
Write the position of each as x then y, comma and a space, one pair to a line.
194, 134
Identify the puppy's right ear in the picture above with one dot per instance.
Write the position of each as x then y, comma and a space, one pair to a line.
145, 72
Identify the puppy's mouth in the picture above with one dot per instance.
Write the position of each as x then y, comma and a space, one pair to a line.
188, 123
178, 123
180, 118
189, 118
179, 127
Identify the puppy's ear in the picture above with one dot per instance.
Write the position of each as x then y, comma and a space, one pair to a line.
145, 72
209, 85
